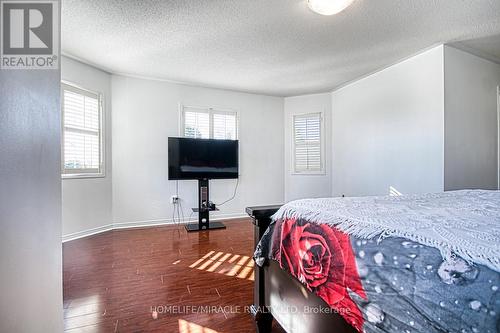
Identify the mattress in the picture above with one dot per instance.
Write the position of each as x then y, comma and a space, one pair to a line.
389, 284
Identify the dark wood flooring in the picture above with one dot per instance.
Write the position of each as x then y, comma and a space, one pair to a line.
160, 279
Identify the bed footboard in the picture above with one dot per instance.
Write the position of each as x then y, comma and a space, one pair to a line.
261, 217
276, 289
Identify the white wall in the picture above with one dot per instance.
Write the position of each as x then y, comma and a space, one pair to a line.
470, 121
388, 129
30, 202
145, 114
307, 186
139, 117
87, 201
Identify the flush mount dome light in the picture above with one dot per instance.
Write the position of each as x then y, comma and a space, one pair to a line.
328, 7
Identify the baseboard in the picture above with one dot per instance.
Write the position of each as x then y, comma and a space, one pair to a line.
141, 224
86, 233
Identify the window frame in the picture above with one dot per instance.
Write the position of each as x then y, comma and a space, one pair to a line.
211, 111
84, 173
322, 170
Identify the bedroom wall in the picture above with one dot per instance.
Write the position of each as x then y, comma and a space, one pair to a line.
146, 113
307, 186
470, 120
388, 129
30, 201
87, 201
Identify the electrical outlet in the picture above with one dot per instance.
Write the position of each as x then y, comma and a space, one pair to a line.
174, 199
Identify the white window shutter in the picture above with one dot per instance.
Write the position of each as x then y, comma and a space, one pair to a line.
224, 126
82, 146
308, 143
196, 124
207, 123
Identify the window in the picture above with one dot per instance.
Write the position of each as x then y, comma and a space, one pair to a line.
209, 123
307, 144
82, 138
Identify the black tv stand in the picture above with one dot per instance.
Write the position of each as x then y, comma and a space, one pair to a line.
203, 210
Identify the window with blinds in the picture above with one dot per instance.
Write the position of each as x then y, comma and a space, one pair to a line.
307, 143
196, 124
82, 153
209, 124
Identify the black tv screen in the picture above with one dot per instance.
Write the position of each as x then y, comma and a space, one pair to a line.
202, 158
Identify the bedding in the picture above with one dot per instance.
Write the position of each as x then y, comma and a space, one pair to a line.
384, 282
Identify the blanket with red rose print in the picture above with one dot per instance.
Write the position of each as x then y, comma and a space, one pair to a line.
392, 285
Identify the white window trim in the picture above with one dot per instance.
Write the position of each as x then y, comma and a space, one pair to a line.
210, 111
84, 173
321, 172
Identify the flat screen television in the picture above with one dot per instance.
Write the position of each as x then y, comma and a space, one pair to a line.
202, 159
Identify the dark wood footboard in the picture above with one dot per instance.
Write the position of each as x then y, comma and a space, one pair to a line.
276, 289
261, 217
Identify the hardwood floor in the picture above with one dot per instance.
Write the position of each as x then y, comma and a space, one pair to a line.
160, 279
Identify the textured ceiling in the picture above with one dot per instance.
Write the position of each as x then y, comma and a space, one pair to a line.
274, 47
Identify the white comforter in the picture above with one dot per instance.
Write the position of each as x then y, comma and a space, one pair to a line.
464, 223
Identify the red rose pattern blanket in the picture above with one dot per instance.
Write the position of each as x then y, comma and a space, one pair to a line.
321, 257
394, 285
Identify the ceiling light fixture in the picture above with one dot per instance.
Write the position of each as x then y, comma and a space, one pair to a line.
328, 7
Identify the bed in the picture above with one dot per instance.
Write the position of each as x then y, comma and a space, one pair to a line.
417, 263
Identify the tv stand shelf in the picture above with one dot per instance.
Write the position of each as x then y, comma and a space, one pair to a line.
203, 211
196, 210
212, 225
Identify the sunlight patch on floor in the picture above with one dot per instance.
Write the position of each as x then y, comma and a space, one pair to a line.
83, 306
226, 263
189, 327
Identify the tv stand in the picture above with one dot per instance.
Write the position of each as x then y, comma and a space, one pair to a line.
203, 210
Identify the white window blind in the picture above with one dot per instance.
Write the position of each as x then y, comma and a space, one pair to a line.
224, 125
307, 143
196, 124
209, 124
82, 132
